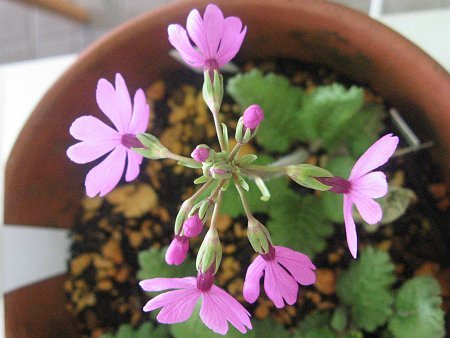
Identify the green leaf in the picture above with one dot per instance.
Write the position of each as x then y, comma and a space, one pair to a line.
339, 319
366, 288
298, 222
332, 203
395, 203
269, 328
152, 264
279, 100
315, 324
417, 310
143, 331
194, 327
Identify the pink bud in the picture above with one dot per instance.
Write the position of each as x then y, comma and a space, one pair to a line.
177, 251
193, 226
253, 116
200, 154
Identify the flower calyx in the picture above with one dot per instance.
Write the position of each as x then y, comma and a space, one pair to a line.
210, 252
259, 236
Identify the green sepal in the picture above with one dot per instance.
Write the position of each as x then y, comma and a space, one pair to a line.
225, 136
265, 193
247, 159
210, 251
225, 185
181, 217
243, 183
213, 91
258, 236
153, 150
239, 129
201, 179
304, 175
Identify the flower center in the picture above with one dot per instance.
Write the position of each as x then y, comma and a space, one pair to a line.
131, 141
270, 255
205, 280
338, 184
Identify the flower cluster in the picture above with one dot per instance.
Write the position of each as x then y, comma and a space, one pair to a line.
217, 40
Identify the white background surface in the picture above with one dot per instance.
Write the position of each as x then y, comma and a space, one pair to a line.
31, 254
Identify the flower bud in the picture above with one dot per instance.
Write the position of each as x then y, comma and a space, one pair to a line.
201, 153
177, 251
221, 171
193, 226
253, 116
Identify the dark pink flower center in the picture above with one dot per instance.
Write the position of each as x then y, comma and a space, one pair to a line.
270, 255
131, 141
338, 184
205, 280
211, 65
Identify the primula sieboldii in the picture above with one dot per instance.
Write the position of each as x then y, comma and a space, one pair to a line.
363, 186
283, 270
217, 306
218, 39
177, 251
97, 138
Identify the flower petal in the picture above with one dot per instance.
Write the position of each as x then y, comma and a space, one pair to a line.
88, 151
369, 209
373, 185
177, 305
234, 312
107, 101
179, 39
375, 156
124, 102
90, 128
141, 113
104, 177
160, 284
279, 285
212, 315
350, 228
197, 31
299, 265
134, 161
213, 22
252, 279
231, 40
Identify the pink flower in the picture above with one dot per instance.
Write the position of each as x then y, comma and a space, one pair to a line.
363, 186
283, 268
253, 116
217, 307
193, 226
97, 138
218, 39
177, 251
200, 154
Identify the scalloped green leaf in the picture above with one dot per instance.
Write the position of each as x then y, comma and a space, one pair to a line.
279, 100
417, 310
366, 288
298, 222
152, 264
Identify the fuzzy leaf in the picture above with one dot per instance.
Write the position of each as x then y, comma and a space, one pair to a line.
366, 288
298, 222
279, 100
315, 324
339, 318
268, 328
152, 264
395, 203
417, 311
143, 331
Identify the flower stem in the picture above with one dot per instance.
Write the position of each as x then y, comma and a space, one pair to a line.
219, 130
180, 158
205, 186
216, 208
241, 192
234, 152
263, 171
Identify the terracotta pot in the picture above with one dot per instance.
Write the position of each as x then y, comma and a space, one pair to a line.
44, 188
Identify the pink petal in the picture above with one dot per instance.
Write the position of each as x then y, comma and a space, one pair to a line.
134, 161
107, 101
160, 284
231, 40
179, 39
214, 26
197, 31
104, 177
373, 185
90, 128
84, 152
279, 285
369, 209
234, 312
375, 156
212, 315
141, 113
298, 265
252, 279
177, 305
350, 228
124, 102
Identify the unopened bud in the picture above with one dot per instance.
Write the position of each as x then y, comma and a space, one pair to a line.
193, 226
177, 251
253, 116
201, 153
221, 171
258, 236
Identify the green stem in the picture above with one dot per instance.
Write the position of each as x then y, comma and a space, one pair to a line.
263, 171
180, 158
234, 152
241, 192
216, 209
192, 199
218, 130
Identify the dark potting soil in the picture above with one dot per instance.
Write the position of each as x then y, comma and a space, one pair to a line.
103, 290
